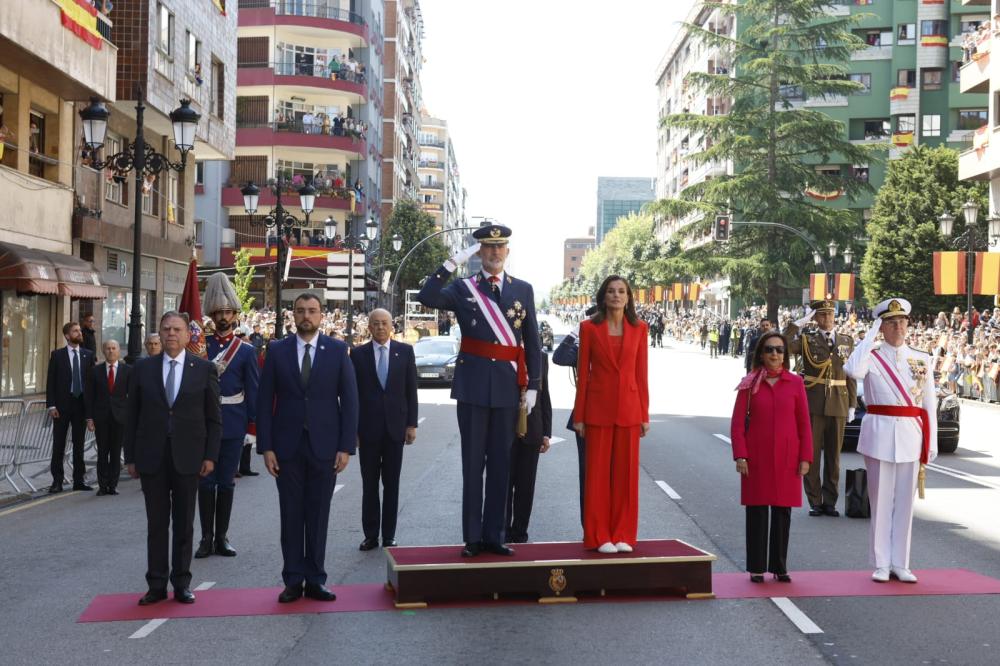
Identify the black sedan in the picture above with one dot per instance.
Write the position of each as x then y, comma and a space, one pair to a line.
435, 357
948, 416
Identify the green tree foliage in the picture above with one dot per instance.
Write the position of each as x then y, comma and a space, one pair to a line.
786, 49
413, 225
903, 229
241, 281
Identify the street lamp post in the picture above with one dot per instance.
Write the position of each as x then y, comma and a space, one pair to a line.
848, 257
283, 222
971, 239
144, 161
355, 244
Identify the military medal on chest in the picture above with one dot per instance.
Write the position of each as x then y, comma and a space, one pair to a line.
918, 371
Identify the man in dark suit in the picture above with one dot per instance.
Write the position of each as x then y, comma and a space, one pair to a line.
387, 387
765, 326
524, 461
172, 436
89, 334
107, 412
307, 426
66, 389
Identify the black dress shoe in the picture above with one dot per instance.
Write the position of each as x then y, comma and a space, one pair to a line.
368, 544
518, 538
204, 548
101, 492
223, 548
184, 596
389, 543
289, 594
756, 578
55, 488
152, 597
249, 473
112, 491
81, 486
471, 550
498, 549
815, 511
830, 511
783, 578
319, 593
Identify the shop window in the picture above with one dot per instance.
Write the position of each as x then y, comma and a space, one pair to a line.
26, 343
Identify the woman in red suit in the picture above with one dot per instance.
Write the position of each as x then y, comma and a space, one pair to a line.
612, 413
772, 445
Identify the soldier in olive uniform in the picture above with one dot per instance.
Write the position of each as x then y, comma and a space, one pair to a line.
832, 396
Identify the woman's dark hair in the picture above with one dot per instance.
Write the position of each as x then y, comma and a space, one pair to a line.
758, 351
602, 308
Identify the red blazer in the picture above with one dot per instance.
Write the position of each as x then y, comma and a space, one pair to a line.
779, 438
612, 391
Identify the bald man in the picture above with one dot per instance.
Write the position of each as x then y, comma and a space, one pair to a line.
106, 415
386, 371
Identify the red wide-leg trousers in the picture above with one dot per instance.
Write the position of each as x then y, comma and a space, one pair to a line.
611, 498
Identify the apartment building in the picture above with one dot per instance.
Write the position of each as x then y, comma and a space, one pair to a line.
440, 188
574, 250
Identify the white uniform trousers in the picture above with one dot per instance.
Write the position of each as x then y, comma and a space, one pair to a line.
892, 488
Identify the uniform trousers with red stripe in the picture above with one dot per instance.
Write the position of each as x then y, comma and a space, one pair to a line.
611, 504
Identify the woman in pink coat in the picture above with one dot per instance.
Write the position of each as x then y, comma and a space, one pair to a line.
772, 445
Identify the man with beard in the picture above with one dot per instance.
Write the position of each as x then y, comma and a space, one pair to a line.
307, 428
67, 390
236, 363
495, 374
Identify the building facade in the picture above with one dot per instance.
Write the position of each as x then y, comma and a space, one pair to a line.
441, 193
574, 249
49, 67
618, 197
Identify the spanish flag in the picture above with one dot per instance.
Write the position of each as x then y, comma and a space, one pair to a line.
902, 139
987, 280
934, 40
817, 286
80, 17
843, 286
694, 292
898, 94
678, 291
949, 273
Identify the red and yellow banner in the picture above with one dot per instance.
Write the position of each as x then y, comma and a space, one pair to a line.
694, 292
817, 286
899, 94
949, 273
824, 196
658, 294
81, 18
677, 292
929, 2
987, 276
641, 296
902, 139
934, 40
843, 287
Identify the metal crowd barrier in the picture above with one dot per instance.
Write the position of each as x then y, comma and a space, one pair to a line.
11, 412
35, 439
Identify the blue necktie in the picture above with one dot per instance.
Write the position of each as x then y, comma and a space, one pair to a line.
171, 381
77, 381
382, 369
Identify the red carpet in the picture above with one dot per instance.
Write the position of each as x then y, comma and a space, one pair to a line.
540, 552
220, 602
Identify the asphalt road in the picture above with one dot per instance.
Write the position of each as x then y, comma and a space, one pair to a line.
58, 554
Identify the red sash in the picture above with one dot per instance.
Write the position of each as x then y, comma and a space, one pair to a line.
489, 350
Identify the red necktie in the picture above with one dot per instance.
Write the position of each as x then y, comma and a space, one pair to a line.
111, 379
494, 281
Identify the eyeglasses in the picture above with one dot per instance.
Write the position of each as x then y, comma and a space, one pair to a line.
768, 349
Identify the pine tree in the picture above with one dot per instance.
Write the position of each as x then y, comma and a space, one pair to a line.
413, 225
243, 278
786, 48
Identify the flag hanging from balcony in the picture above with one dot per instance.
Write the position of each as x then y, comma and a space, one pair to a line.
902, 139
949, 273
987, 280
694, 292
934, 40
658, 294
932, 2
817, 286
899, 94
843, 287
80, 17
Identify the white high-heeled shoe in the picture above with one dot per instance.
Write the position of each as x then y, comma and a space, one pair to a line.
607, 548
623, 547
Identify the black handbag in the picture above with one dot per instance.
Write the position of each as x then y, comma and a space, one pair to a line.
856, 496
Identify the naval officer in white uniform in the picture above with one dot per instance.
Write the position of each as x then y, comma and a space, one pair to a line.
898, 433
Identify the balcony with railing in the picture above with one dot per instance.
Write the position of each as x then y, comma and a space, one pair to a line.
319, 15
432, 185
299, 133
303, 75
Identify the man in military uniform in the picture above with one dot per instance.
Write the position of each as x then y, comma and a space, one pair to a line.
239, 375
498, 371
832, 398
898, 433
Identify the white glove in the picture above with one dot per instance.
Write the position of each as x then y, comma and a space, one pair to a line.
530, 397
463, 256
874, 330
250, 439
805, 319
850, 414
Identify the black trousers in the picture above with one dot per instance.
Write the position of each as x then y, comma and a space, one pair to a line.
305, 489
109, 435
169, 495
521, 489
76, 422
487, 433
581, 453
768, 546
380, 459
245, 459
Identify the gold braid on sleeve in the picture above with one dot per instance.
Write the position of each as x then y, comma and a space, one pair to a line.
822, 369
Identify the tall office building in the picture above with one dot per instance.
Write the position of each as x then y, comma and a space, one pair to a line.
618, 197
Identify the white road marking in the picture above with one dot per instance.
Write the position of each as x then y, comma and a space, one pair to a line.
671, 493
148, 628
723, 438
204, 586
338, 487
421, 420
556, 440
798, 618
964, 476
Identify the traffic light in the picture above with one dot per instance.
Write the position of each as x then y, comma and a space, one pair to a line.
721, 229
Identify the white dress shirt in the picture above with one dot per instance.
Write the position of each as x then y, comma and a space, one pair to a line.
300, 349
178, 371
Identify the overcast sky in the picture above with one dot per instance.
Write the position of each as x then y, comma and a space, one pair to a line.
541, 98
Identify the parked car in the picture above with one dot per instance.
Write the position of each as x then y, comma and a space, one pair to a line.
435, 358
949, 409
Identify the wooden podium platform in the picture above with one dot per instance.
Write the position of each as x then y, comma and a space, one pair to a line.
549, 572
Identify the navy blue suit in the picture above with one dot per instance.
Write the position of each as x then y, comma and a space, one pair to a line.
487, 393
386, 413
305, 427
566, 354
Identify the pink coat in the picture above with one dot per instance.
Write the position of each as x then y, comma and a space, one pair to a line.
779, 438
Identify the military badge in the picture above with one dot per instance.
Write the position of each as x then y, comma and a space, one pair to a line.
918, 371
557, 581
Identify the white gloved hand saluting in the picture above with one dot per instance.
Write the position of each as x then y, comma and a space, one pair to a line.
464, 255
874, 330
530, 397
805, 319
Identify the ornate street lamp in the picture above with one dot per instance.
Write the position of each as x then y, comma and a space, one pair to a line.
970, 240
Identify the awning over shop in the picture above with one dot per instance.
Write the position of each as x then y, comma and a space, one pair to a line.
39, 272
